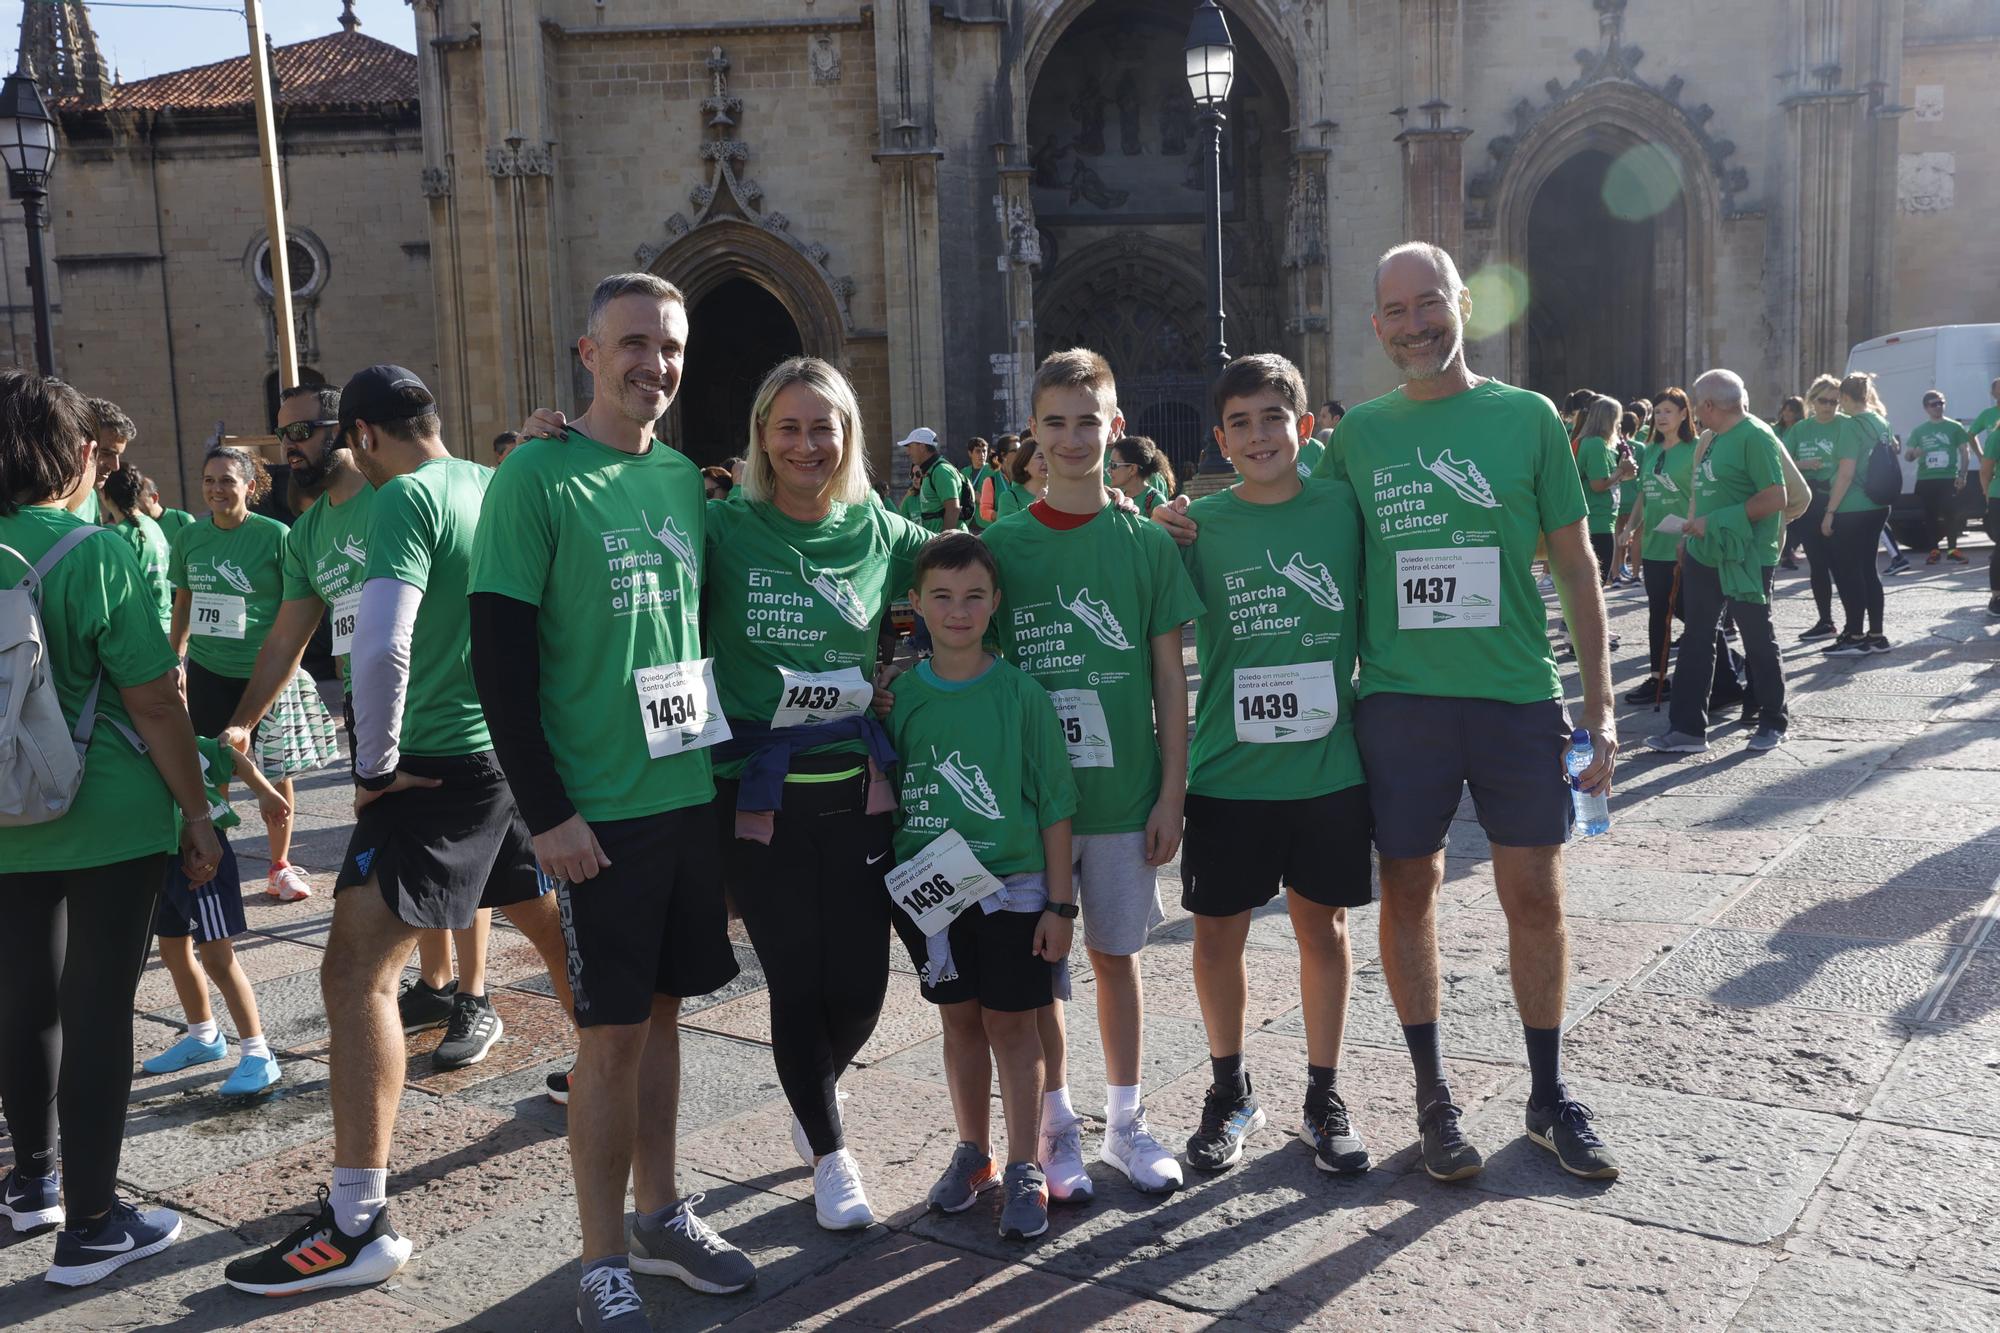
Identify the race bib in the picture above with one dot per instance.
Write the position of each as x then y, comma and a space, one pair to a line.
346, 610
1280, 705
677, 707
1937, 458
1448, 588
217, 615
808, 698
1084, 729
938, 883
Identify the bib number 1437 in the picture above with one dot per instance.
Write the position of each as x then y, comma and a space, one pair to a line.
1448, 588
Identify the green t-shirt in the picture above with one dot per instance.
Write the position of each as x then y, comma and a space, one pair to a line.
1078, 611
1668, 481
608, 546
1597, 460
233, 574
326, 557
1628, 491
793, 605
1009, 499
1857, 439
940, 487
150, 548
1740, 462
171, 521
1812, 441
1991, 452
976, 480
1938, 445
1309, 455
984, 758
90, 511
1274, 720
98, 615
218, 767
909, 507
1986, 420
1455, 495
420, 533
1156, 486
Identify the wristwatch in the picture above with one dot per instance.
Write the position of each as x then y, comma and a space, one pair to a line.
380, 782
1067, 911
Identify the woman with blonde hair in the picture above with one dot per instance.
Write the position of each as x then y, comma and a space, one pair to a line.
1854, 520
1602, 469
1666, 486
1810, 441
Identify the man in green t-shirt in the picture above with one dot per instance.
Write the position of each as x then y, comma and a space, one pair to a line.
1944, 454
978, 467
1729, 554
112, 432
1276, 800
1459, 480
934, 483
586, 648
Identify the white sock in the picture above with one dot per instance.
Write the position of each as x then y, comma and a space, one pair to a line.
1121, 1104
204, 1031
1056, 1109
249, 1046
357, 1196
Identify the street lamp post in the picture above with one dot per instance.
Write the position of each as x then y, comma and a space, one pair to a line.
1211, 69
28, 148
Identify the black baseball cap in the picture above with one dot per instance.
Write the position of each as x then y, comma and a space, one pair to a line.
379, 394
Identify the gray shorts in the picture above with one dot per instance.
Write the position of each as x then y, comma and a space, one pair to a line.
1421, 752
1117, 891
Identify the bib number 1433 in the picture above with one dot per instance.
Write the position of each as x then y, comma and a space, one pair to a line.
677, 707
1448, 588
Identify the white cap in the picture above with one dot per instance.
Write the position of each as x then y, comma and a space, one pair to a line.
923, 435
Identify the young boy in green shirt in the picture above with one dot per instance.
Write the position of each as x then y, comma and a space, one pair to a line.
982, 879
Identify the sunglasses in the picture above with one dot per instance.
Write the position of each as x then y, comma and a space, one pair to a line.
1827, 402
301, 431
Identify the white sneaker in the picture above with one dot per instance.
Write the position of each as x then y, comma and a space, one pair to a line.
1132, 1150
288, 885
1061, 1160
803, 1145
838, 1200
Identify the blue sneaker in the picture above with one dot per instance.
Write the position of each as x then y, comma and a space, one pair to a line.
32, 1203
98, 1248
254, 1073
186, 1054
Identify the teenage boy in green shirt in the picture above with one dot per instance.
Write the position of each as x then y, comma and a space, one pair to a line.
1094, 598
1943, 451
1279, 564
986, 800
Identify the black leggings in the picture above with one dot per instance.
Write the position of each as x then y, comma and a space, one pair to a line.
1939, 496
1819, 553
1855, 536
1660, 614
1601, 543
1993, 531
66, 1017
818, 916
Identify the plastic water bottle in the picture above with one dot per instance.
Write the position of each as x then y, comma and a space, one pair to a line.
1593, 813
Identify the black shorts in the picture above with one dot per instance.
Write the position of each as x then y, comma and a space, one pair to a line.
995, 957
653, 923
212, 912
1422, 751
1235, 855
442, 853
211, 699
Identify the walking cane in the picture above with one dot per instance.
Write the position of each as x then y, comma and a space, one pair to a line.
1660, 675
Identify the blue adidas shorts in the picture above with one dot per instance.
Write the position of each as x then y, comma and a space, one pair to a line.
209, 913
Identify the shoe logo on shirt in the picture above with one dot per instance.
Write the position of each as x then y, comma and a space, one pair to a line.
1096, 613
1464, 478
1315, 580
831, 587
120, 1248
232, 573
352, 548
672, 536
969, 782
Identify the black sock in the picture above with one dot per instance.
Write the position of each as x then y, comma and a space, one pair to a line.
1229, 1073
1545, 1064
1422, 1039
1319, 1087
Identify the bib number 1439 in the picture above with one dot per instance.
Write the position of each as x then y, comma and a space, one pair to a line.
677, 707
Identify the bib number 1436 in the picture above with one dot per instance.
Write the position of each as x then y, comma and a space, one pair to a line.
939, 883
677, 707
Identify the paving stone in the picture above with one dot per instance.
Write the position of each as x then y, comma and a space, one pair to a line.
1822, 907
1974, 998
1862, 702
1909, 1199
1939, 819
1898, 863
303, 922
902, 1282
907, 1019
260, 957
1776, 1056
1664, 896
1769, 814
1754, 968
1887, 732
1654, 847
1959, 745
1748, 1181
1894, 787
1441, 1257
1945, 1080
535, 1031
1822, 1294
1943, 676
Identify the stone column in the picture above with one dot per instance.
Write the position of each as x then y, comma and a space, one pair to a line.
1432, 147
1022, 256
1820, 122
908, 157
1308, 318
453, 382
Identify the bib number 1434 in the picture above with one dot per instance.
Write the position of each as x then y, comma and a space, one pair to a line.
677, 707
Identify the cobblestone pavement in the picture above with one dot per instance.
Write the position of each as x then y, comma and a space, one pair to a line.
1785, 1010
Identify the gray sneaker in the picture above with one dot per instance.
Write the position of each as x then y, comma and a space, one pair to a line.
1677, 742
969, 1172
1025, 1214
607, 1302
676, 1243
1767, 738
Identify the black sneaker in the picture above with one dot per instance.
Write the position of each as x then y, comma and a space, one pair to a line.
1564, 1129
421, 1007
1447, 1156
91, 1251
1825, 629
1336, 1147
559, 1088
1879, 643
1654, 690
1848, 645
1993, 605
319, 1254
1226, 1120
473, 1030
1900, 565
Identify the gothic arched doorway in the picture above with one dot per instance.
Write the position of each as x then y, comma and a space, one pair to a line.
738, 331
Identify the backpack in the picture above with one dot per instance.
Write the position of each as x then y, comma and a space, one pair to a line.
968, 503
41, 761
1882, 474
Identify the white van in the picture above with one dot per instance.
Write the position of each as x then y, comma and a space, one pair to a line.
1959, 360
